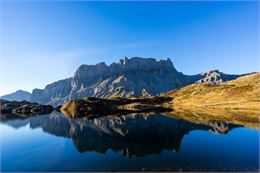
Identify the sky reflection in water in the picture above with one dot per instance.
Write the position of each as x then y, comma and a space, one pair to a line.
126, 143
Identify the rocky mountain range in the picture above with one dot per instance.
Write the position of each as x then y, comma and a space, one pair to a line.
129, 77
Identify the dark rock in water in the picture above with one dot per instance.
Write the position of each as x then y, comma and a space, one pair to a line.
91, 106
24, 107
42, 109
8, 106
58, 108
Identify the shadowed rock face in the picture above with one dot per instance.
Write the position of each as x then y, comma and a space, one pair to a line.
131, 135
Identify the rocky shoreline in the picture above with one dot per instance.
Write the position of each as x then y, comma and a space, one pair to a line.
24, 108
91, 106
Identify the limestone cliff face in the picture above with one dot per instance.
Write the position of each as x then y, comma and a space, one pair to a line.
129, 77
53, 94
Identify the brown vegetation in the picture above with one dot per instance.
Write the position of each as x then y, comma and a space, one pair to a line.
242, 93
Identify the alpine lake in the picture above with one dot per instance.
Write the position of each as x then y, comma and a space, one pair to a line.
134, 142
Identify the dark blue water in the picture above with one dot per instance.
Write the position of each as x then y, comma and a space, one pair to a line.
126, 143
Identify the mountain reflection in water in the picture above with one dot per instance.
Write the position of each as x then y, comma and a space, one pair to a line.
130, 135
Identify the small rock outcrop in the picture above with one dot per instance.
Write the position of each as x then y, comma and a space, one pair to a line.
215, 77
24, 108
92, 107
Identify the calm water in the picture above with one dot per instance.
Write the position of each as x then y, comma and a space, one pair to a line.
126, 143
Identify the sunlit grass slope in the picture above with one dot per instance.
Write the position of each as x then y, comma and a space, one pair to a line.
242, 93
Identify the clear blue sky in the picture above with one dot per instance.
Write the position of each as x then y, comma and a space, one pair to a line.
42, 42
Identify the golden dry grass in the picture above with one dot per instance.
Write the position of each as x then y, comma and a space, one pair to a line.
242, 93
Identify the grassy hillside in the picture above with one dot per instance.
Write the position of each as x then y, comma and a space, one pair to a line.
242, 93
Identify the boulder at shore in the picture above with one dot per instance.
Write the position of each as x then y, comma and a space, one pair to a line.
24, 108
90, 106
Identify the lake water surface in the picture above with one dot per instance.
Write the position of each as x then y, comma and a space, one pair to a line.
125, 143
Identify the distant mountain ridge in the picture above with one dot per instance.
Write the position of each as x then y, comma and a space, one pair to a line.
129, 77
19, 95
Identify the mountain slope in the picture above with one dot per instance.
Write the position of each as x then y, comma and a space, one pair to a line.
19, 95
242, 93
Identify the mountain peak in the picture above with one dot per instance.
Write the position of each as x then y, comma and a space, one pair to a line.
124, 65
19, 95
215, 77
210, 72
